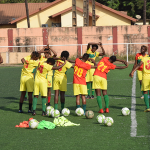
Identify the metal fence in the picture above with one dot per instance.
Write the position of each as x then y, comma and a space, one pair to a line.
30, 48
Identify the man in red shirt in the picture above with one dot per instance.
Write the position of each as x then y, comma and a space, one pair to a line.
79, 81
100, 79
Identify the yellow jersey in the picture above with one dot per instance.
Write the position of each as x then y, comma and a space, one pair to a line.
146, 67
42, 70
29, 66
92, 55
61, 72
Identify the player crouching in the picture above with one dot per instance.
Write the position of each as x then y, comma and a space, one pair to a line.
40, 84
79, 81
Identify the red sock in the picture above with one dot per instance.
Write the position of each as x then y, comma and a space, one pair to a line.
49, 98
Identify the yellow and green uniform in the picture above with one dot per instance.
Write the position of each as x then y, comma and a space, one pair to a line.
60, 78
27, 77
146, 78
89, 75
41, 78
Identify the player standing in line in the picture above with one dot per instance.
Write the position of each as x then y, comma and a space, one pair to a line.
1, 59
92, 54
40, 84
100, 79
27, 78
79, 82
60, 80
50, 73
145, 63
138, 58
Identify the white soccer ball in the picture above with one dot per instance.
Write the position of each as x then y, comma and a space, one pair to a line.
65, 112
33, 124
49, 110
55, 113
100, 118
109, 121
79, 111
125, 111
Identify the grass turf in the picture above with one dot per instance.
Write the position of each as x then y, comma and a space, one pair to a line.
90, 134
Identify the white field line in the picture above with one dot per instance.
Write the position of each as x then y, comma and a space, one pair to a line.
133, 132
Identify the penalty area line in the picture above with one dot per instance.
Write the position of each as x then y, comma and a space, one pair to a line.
133, 132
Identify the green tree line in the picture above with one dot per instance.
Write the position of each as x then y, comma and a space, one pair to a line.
133, 7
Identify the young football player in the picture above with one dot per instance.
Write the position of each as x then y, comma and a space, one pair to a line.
100, 79
92, 54
40, 84
145, 63
138, 58
60, 80
1, 59
27, 78
79, 82
50, 73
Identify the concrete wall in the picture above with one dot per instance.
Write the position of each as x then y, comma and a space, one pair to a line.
65, 36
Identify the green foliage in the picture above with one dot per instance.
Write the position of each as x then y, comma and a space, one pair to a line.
134, 7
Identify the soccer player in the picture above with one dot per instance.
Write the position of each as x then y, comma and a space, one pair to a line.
100, 79
92, 54
138, 58
79, 82
40, 84
60, 80
145, 63
27, 78
50, 73
1, 59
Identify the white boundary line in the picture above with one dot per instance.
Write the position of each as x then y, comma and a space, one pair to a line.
133, 132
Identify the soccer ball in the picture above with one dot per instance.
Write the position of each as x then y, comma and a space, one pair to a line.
79, 111
100, 118
125, 111
109, 121
33, 124
65, 112
55, 113
49, 110
89, 114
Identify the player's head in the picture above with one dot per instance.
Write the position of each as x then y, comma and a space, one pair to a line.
64, 55
35, 55
112, 59
143, 49
94, 48
85, 57
51, 61
46, 53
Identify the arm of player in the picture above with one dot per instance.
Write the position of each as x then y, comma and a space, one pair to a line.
72, 66
93, 61
122, 67
23, 60
1, 59
42, 50
103, 51
55, 54
58, 67
136, 68
71, 61
135, 64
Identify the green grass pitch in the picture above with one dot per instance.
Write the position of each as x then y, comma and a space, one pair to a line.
90, 134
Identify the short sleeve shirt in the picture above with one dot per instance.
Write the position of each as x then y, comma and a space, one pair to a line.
80, 70
103, 67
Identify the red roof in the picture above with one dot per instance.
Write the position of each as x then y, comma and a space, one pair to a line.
69, 9
8, 12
